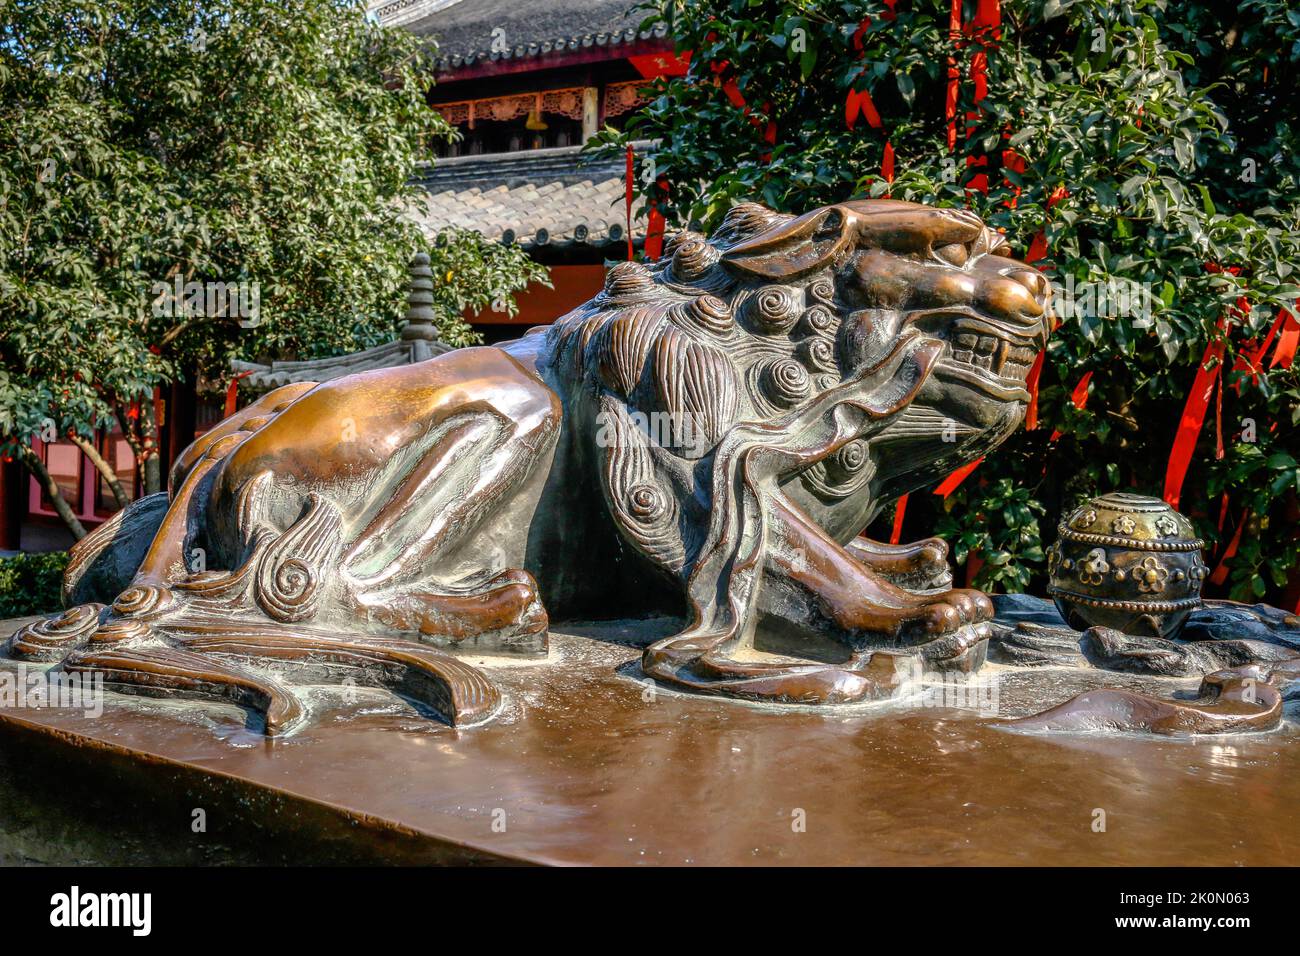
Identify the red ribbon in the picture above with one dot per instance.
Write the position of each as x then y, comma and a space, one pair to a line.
232, 393
900, 509
950, 483
631, 168
1037, 252
954, 73
1031, 383
985, 27
737, 99
859, 103
654, 238
1193, 417
1079, 397
1286, 345
1221, 572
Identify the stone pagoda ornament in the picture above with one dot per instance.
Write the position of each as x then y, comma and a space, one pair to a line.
417, 341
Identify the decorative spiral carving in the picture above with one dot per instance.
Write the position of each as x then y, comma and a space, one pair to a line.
818, 354
822, 290
647, 504
287, 589
122, 630
693, 257
849, 460
288, 579
786, 382
628, 279
712, 313
774, 310
747, 219
50, 639
842, 474
141, 600
819, 320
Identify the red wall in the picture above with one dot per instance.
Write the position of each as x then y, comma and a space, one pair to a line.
539, 305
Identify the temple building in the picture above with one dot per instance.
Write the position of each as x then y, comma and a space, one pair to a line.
526, 83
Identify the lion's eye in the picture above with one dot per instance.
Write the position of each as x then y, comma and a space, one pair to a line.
955, 253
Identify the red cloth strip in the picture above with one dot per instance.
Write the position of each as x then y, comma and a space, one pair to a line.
1253, 356
954, 74
950, 483
1286, 344
232, 393
900, 509
1221, 572
654, 237
1193, 417
1080, 394
1037, 251
1031, 383
1079, 397
631, 167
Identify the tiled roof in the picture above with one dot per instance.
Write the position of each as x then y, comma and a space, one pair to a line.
539, 197
401, 352
464, 31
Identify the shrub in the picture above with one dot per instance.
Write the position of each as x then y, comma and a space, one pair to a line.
30, 583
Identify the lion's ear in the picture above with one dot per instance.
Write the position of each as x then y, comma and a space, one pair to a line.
793, 248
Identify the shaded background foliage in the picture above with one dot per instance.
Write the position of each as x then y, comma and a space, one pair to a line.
262, 141
31, 583
1165, 132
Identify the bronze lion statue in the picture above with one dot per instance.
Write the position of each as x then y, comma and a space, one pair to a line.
706, 437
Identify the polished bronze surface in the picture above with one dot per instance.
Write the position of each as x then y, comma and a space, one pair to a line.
587, 765
708, 435
1127, 562
705, 438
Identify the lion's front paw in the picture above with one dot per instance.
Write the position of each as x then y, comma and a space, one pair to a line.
918, 566
943, 613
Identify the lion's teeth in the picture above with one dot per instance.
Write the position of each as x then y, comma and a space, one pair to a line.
986, 345
1000, 359
962, 355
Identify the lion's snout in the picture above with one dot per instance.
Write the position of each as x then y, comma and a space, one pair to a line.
1020, 298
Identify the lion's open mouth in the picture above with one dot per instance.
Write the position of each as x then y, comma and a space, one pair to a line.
991, 355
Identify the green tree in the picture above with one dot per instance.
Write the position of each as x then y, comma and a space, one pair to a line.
268, 143
1153, 143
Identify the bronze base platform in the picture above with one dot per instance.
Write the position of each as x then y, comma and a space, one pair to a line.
586, 766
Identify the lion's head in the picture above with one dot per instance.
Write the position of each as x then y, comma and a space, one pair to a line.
899, 269
772, 310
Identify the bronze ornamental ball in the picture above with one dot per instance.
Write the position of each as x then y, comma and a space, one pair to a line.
1128, 562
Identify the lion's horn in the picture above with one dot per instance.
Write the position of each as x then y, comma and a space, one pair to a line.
794, 248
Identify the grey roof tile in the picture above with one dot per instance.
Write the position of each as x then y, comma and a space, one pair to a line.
517, 194
464, 30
